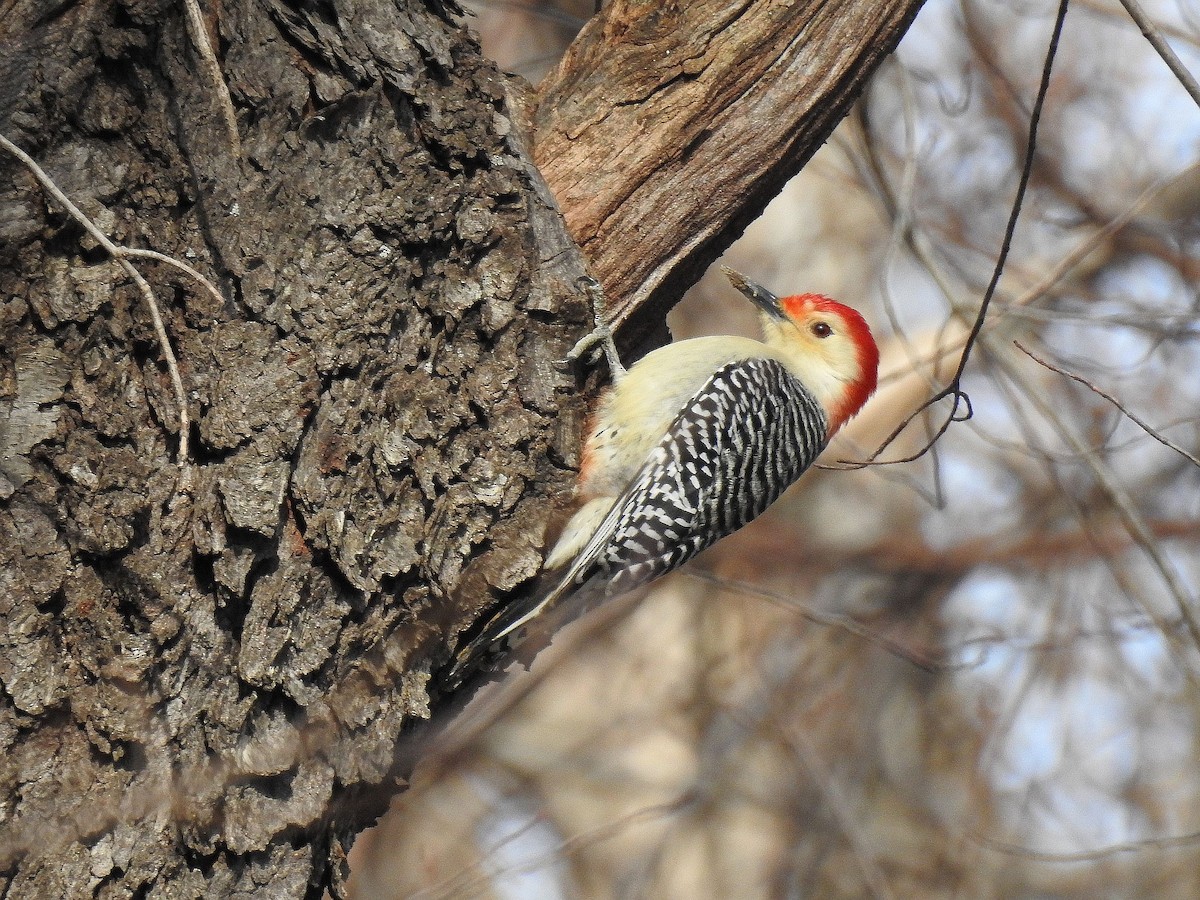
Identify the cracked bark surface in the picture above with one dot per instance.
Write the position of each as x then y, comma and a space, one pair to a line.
204, 692
201, 693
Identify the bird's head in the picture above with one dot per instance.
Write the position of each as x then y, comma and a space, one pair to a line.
826, 344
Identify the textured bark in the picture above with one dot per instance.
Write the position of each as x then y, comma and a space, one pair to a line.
668, 127
203, 692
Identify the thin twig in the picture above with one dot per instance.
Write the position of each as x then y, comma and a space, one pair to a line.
842, 810
818, 617
1087, 513
954, 388
780, 667
1101, 8
1063, 267
178, 264
1166, 442
198, 32
121, 254
1122, 503
466, 883
1151, 33
1168, 842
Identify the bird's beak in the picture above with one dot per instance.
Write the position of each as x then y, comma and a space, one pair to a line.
756, 293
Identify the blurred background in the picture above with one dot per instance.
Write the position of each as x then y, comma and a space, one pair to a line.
971, 675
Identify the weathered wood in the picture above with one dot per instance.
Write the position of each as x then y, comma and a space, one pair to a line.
668, 127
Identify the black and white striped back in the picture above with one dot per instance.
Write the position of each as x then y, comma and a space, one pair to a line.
737, 445
742, 440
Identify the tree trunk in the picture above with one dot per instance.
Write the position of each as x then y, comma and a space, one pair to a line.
219, 617
194, 675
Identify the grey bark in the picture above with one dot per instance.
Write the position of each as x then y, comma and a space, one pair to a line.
203, 689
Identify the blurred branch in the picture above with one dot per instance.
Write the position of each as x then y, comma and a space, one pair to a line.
1169, 842
908, 554
544, 11
1123, 504
1166, 442
1109, 11
954, 388
471, 883
903, 233
1174, 63
843, 813
463, 731
832, 620
925, 254
1132, 587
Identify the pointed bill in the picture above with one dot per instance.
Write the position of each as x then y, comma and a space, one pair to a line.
755, 293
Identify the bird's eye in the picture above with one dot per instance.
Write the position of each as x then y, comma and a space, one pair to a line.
821, 329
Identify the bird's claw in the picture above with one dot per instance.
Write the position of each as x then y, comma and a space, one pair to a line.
602, 334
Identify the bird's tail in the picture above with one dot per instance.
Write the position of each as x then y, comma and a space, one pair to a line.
505, 632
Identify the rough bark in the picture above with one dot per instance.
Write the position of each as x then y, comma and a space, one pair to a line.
668, 127
203, 691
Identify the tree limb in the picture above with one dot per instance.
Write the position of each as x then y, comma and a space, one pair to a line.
666, 129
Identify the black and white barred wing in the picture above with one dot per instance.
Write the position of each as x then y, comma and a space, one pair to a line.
742, 440
739, 443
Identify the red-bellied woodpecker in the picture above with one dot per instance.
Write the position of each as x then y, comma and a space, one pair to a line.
698, 438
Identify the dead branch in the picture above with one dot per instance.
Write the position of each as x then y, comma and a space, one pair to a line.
121, 255
666, 130
1162, 439
198, 32
1163, 49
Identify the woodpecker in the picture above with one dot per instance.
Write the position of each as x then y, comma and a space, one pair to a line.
694, 441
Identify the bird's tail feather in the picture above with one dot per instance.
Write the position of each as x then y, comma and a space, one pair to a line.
505, 631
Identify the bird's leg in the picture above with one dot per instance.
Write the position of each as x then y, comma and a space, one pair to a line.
601, 334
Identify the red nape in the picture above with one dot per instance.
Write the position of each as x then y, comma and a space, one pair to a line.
866, 350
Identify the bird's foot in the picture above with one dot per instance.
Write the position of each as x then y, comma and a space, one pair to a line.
602, 334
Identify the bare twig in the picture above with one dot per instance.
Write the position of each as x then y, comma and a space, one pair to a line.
198, 32
923, 252
178, 264
1168, 842
840, 807
1158, 42
121, 254
1135, 588
954, 389
1106, 10
1125, 508
1166, 442
467, 883
832, 620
